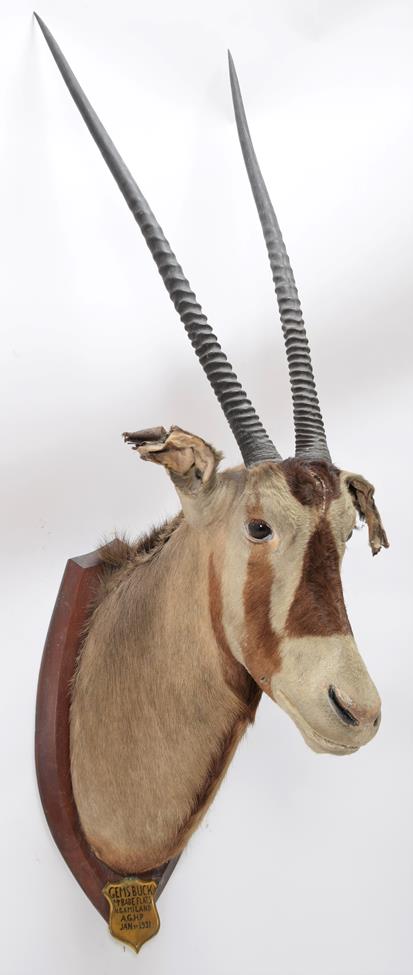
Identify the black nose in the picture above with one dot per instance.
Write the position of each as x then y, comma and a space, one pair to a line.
359, 715
339, 708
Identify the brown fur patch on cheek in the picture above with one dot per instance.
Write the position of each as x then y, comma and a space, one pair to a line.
261, 643
318, 606
235, 675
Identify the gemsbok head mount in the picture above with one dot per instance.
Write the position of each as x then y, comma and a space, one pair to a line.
239, 594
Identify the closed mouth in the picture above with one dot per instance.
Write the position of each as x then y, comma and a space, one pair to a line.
312, 736
328, 744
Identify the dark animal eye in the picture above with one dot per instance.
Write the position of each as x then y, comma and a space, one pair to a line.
349, 536
259, 531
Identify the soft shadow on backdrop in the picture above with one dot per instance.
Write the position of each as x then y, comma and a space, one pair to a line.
304, 863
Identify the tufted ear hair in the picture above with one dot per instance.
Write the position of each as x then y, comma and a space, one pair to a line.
191, 461
362, 493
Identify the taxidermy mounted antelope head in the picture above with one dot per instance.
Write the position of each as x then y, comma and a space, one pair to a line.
239, 593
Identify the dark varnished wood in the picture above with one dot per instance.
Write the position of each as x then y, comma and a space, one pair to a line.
52, 747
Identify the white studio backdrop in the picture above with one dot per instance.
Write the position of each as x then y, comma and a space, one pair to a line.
303, 865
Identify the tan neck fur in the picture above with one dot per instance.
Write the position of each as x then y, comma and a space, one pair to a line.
154, 722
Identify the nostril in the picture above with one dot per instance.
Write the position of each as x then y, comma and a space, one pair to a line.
339, 708
376, 721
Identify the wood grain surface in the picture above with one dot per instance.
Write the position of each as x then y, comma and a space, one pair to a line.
63, 643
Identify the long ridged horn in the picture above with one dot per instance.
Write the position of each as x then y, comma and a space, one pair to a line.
253, 441
310, 438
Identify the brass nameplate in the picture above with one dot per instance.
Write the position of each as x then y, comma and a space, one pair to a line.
133, 916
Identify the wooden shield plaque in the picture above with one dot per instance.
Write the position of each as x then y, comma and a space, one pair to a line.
63, 644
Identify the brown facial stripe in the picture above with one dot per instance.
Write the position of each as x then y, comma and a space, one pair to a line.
261, 643
318, 606
312, 484
235, 674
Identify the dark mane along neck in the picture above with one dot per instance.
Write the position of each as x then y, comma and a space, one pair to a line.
119, 558
120, 552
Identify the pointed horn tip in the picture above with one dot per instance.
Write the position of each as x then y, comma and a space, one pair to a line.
231, 65
234, 83
40, 22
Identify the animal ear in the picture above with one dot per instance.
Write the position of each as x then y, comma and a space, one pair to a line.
190, 461
363, 499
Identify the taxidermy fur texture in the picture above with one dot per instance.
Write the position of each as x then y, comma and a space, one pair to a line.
237, 595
